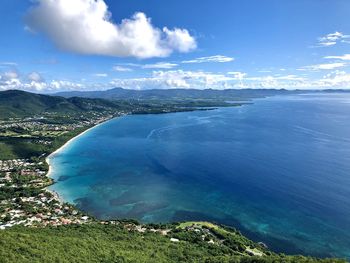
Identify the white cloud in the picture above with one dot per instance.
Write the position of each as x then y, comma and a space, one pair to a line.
160, 65
237, 74
9, 64
171, 65
344, 57
265, 71
186, 79
328, 43
168, 79
336, 79
327, 66
176, 79
9, 75
9, 80
63, 85
290, 77
86, 27
180, 39
122, 69
34, 82
276, 82
201, 80
101, 75
217, 58
332, 39
35, 76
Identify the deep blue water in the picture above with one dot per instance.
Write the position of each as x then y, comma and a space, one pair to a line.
279, 170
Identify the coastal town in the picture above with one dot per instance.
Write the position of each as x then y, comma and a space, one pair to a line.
26, 142
24, 198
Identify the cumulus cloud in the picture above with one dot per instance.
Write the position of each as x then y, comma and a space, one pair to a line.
336, 79
179, 39
175, 79
9, 75
239, 76
184, 79
34, 82
86, 27
217, 58
35, 76
232, 80
8, 80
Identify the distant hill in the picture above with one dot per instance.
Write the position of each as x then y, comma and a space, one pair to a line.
16, 103
182, 94
173, 94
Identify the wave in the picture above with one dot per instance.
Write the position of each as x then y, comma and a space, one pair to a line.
320, 135
199, 121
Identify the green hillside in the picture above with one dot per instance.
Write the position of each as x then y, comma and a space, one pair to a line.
15, 103
127, 242
19, 104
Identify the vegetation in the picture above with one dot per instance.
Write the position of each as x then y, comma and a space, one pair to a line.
24, 144
177, 94
122, 243
15, 103
19, 104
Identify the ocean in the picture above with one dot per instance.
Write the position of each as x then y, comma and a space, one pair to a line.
277, 169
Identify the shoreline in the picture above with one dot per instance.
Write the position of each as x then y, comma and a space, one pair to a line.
57, 151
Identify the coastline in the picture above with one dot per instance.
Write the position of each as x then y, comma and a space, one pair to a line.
47, 159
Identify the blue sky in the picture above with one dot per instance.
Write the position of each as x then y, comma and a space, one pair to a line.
51, 45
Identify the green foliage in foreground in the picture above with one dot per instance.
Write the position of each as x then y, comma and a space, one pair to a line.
109, 243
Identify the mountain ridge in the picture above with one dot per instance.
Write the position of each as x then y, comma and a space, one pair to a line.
180, 94
17, 103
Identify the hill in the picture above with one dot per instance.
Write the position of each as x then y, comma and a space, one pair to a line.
129, 242
185, 94
16, 103
174, 94
19, 104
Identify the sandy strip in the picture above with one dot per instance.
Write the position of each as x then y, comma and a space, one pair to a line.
47, 159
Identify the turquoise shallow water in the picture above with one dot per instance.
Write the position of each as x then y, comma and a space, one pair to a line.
279, 170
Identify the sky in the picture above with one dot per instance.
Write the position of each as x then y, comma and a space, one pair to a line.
61, 45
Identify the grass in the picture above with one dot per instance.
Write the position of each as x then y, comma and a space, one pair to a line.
198, 223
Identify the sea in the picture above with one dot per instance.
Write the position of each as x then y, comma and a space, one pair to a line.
277, 169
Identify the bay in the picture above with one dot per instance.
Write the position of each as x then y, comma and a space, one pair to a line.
278, 170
